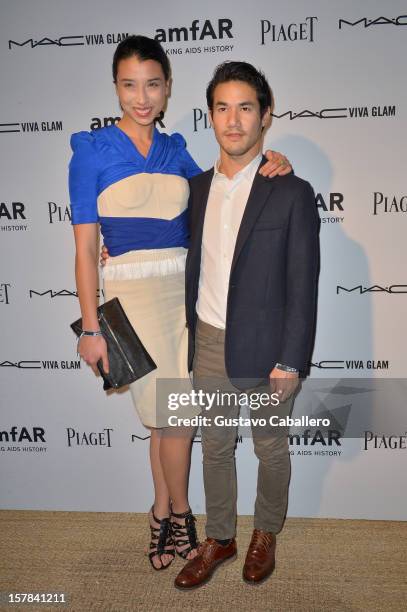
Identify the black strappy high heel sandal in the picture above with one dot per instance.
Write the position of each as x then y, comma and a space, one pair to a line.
160, 538
184, 534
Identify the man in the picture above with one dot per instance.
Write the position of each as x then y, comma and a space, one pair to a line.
251, 281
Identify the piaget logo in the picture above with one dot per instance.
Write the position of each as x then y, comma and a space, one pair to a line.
288, 32
388, 203
58, 213
374, 440
5, 293
91, 438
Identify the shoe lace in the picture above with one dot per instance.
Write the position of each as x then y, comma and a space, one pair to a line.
260, 540
205, 551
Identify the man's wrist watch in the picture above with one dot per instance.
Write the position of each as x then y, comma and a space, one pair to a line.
286, 368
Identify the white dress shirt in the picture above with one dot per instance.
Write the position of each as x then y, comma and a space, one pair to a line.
224, 211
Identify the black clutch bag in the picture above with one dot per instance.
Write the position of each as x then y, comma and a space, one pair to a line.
128, 358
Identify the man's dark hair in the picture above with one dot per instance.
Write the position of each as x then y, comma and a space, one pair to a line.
145, 49
241, 71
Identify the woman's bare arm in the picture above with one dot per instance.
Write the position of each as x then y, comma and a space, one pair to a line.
91, 348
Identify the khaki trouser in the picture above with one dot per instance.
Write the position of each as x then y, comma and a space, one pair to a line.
218, 447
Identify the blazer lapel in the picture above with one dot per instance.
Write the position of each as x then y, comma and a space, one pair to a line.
200, 207
259, 193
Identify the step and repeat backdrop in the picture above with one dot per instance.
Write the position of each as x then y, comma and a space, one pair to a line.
337, 70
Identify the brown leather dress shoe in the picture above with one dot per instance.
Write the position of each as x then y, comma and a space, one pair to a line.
199, 570
260, 558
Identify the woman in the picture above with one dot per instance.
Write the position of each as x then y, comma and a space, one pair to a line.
133, 181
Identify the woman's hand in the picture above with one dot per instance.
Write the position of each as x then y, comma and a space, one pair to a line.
276, 164
93, 348
104, 256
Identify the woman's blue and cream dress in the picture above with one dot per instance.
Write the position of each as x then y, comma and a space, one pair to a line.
141, 205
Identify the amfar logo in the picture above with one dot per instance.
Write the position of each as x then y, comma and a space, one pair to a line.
331, 437
395, 442
329, 204
335, 201
401, 20
198, 30
306, 439
100, 122
5, 293
13, 211
31, 126
292, 32
77, 438
70, 41
388, 204
58, 214
23, 434
372, 289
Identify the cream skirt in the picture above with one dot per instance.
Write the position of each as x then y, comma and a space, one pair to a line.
150, 285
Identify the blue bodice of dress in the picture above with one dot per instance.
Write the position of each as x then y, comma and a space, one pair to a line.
140, 202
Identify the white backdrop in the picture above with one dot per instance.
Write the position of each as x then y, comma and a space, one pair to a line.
337, 70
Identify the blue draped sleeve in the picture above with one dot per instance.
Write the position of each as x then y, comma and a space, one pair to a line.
189, 167
83, 179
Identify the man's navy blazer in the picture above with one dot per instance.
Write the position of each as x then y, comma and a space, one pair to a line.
271, 304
